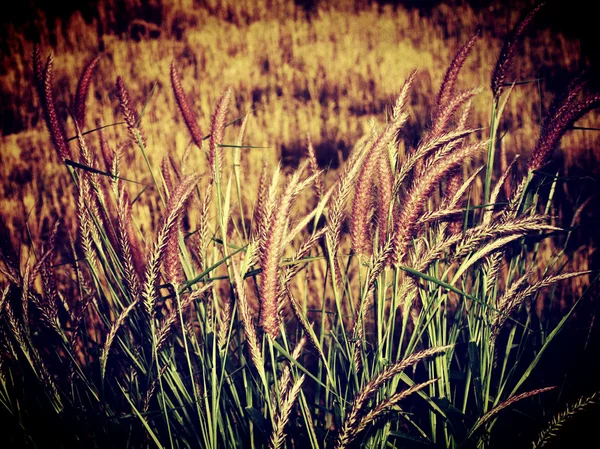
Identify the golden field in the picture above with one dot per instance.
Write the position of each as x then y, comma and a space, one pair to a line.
268, 212
324, 77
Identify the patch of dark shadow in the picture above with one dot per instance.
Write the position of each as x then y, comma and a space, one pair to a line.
181, 23
140, 30
19, 177
330, 153
374, 107
257, 95
309, 6
327, 95
10, 121
411, 133
265, 65
302, 93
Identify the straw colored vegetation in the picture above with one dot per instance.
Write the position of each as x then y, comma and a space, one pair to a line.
177, 286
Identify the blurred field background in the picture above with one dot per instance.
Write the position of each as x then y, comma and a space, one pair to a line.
318, 69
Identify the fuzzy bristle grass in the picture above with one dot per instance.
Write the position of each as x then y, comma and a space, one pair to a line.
191, 290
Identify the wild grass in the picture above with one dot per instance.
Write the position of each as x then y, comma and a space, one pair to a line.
324, 77
387, 304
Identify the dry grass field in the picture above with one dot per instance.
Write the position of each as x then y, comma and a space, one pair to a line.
239, 223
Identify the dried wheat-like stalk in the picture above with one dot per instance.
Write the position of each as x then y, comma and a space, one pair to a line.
96, 194
129, 249
224, 321
446, 112
337, 204
564, 113
152, 389
254, 345
361, 208
492, 271
440, 214
561, 418
453, 197
474, 237
260, 213
184, 106
173, 267
507, 53
45, 79
498, 235
166, 175
376, 155
306, 326
487, 216
344, 185
446, 92
81, 93
352, 421
277, 439
493, 412
286, 375
112, 334
203, 225
482, 252
515, 296
169, 226
456, 184
217, 131
48, 304
86, 206
385, 202
379, 264
417, 196
271, 254
386, 405
108, 155
302, 252
131, 117
424, 149
22, 334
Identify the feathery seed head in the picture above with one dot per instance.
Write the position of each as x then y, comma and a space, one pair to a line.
555, 127
217, 132
271, 253
416, 199
184, 106
81, 93
129, 114
169, 226
57, 132
361, 207
374, 156
507, 53
446, 111
385, 184
399, 108
447, 89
